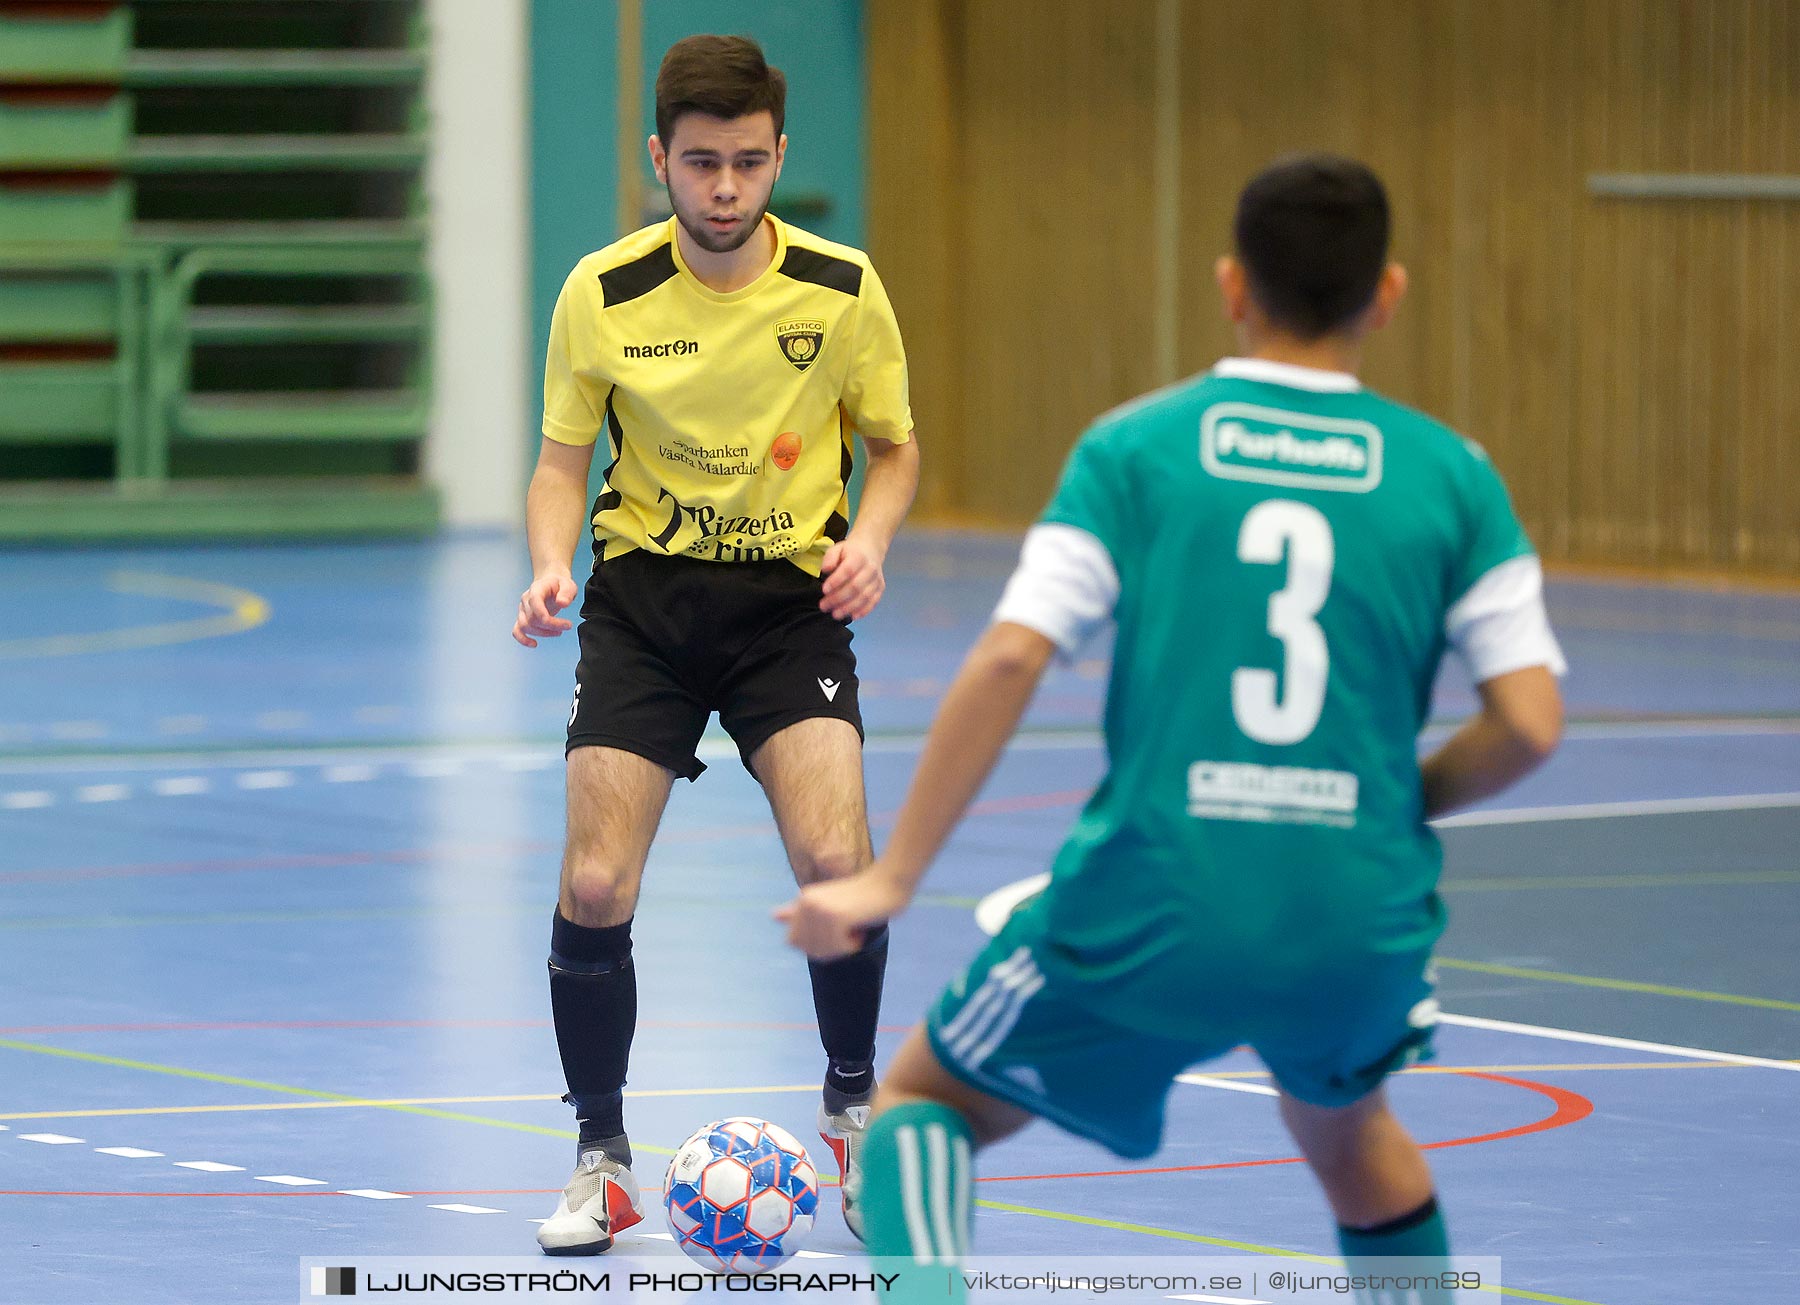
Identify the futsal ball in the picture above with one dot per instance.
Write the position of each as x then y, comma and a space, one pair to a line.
741, 1195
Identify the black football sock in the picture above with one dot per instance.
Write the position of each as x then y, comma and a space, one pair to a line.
593, 999
617, 1147
847, 997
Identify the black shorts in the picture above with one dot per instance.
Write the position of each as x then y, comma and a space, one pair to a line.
667, 641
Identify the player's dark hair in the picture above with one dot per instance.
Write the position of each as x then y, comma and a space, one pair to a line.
720, 76
1312, 234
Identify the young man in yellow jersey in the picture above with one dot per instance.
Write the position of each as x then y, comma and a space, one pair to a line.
727, 357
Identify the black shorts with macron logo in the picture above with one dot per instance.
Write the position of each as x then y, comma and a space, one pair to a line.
667, 641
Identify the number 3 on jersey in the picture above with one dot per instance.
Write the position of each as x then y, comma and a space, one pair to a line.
1275, 530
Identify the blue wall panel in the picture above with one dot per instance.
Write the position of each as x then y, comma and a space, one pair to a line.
574, 171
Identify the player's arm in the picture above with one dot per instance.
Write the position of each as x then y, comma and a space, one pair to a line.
1500, 628
853, 567
874, 401
1516, 730
555, 519
974, 723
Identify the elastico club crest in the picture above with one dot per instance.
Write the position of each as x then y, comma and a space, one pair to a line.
800, 341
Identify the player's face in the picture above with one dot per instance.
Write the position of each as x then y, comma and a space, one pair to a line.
720, 173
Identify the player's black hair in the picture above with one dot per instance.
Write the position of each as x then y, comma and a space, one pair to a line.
1312, 234
720, 76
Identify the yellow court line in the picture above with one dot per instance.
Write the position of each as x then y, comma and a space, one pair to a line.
354, 1103
1173, 1234
1616, 985
243, 610
372, 1102
1721, 879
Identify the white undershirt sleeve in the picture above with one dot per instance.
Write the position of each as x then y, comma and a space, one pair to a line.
1500, 624
1065, 586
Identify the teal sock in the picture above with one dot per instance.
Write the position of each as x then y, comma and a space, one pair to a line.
915, 1195
1419, 1238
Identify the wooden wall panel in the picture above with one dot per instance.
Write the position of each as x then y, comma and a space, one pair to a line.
1628, 363
915, 218
1053, 305
1036, 298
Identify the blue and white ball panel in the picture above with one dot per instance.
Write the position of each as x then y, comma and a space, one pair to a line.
741, 1195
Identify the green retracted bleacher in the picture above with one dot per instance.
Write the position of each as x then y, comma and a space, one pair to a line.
214, 308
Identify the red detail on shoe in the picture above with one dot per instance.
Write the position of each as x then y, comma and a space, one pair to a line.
839, 1148
619, 1212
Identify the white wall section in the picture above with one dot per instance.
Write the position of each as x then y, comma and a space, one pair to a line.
477, 186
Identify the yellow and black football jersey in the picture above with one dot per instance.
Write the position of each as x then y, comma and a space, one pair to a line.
729, 415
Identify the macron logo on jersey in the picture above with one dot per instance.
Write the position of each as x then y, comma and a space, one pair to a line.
1244, 441
671, 349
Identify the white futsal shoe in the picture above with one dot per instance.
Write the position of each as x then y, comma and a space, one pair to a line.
600, 1200
844, 1133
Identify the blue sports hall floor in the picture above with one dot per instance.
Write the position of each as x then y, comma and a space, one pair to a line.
278, 839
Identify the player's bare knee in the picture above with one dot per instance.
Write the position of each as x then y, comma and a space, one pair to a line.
1332, 1139
836, 859
596, 894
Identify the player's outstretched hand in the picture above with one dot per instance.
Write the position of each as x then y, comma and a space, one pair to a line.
829, 919
538, 607
853, 580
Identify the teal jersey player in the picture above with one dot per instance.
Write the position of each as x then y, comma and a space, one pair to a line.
1287, 557
1289, 552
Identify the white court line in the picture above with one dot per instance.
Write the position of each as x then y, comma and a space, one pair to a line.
77, 729
374, 1194
182, 786
290, 1180
349, 774
209, 1166
266, 779
102, 793
1605, 810
51, 1139
1622, 1044
435, 768
1206, 1080
24, 799
129, 1152
468, 1209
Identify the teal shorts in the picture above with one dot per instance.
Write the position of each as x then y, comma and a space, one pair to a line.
1008, 1029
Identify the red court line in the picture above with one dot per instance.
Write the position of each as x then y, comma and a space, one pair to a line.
485, 1191
463, 852
1571, 1107
312, 861
235, 1025
1032, 802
